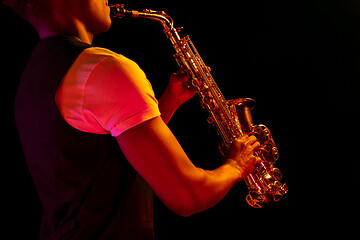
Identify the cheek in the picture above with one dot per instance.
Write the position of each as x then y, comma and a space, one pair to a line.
104, 20
99, 17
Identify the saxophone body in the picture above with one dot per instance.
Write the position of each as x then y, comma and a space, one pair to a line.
231, 119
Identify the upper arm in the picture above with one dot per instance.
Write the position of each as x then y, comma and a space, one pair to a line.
105, 93
154, 152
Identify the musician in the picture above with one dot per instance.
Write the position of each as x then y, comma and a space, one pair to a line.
75, 101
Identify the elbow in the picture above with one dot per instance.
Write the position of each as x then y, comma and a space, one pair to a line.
187, 205
185, 214
185, 211
188, 199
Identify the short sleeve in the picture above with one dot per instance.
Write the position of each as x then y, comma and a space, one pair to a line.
112, 94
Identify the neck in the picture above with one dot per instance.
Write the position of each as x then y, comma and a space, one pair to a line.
73, 28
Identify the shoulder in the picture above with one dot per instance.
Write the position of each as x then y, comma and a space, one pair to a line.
103, 89
102, 57
109, 66
101, 69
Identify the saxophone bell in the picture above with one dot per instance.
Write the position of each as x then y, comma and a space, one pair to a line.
264, 182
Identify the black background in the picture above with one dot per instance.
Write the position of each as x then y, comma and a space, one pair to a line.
300, 60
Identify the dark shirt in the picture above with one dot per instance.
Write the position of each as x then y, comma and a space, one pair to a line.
87, 188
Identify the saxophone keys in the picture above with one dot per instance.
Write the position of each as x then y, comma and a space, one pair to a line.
279, 190
276, 173
210, 120
224, 148
196, 84
283, 189
255, 199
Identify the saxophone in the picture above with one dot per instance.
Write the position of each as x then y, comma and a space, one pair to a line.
231, 118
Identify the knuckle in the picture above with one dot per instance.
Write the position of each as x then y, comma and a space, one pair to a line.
173, 77
183, 76
253, 138
239, 142
244, 136
242, 139
256, 145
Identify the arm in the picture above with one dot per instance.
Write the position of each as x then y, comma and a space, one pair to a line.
147, 142
174, 95
154, 152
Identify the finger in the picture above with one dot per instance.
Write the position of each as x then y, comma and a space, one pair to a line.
251, 140
243, 138
241, 141
258, 160
252, 161
255, 146
182, 76
179, 77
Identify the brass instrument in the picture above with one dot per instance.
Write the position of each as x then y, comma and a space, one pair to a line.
231, 118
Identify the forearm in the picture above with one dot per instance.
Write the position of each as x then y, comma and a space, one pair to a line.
180, 185
206, 188
174, 95
167, 107
214, 185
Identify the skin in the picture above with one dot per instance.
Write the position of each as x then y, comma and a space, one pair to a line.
182, 187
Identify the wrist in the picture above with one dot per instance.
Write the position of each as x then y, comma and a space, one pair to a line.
169, 99
237, 169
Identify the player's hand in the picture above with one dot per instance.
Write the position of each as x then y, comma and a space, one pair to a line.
242, 154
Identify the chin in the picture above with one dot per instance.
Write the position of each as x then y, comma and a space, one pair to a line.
107, 25
102, 27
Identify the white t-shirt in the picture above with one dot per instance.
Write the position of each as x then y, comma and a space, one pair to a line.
105, 93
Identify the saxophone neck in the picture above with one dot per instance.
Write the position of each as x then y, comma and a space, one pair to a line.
118, 11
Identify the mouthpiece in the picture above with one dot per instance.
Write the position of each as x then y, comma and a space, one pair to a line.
118, 10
